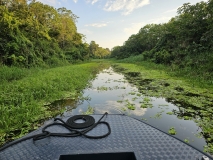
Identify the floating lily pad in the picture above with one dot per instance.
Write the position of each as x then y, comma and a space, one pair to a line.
172, 131
170, 113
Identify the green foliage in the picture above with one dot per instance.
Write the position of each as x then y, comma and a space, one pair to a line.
192, 96
90, 110
185, 43
98, 52
172, 131
162, 57
22, 98
135, 59
102, 88
36, 34
12, 73
170, 113
130, 106
186, 140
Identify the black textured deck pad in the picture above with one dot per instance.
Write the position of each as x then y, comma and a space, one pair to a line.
128, 135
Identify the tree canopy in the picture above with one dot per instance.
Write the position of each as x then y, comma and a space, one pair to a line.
186, 40
35, 34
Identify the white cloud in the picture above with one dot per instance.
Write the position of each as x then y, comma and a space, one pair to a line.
127, 6
75, 1
113, 106
54, 2
134, 28
85, 31
172, 10
92, 1
96, 25
159, 20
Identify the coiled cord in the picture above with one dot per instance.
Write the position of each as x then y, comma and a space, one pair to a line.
71, 126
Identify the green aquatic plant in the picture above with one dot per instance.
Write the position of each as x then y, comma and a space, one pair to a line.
143, 105
130, 106
132, 93
116, 87
134, 98
90, 110
138, 94
159, 114
192, 99
186, 140
170, 113
172, 131
119, 101
147, 99
179, 117
209, 148
102, 88
186, 118
199, 135
81, 98
123, 109
146, 105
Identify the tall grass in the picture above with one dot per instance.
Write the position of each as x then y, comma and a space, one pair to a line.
12, 73
197, 75
21, 100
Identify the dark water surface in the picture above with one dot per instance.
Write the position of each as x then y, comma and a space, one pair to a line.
110, 92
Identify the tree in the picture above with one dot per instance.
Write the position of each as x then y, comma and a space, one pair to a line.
66, 26
93, 47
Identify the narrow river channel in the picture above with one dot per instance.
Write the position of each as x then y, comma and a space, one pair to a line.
110, 92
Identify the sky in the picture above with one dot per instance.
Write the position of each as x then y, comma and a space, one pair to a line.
111, 22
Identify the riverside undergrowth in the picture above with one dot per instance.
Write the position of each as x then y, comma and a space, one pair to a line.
194, 101
22, 100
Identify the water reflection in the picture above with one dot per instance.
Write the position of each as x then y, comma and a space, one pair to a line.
110, 92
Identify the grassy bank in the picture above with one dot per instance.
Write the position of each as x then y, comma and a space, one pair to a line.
198, 76
194, 100
24, 92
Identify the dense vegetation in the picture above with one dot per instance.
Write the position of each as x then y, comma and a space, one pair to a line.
185, 43
24, 97
193, 99
182, 47
34, 34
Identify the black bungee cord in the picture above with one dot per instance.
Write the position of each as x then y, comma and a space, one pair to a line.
71, 126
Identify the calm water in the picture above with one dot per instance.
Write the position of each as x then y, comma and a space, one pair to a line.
110, 92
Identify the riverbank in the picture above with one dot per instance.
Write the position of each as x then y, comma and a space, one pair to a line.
24, 100
193, 99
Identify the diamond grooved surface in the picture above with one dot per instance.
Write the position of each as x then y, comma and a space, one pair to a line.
128, 134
